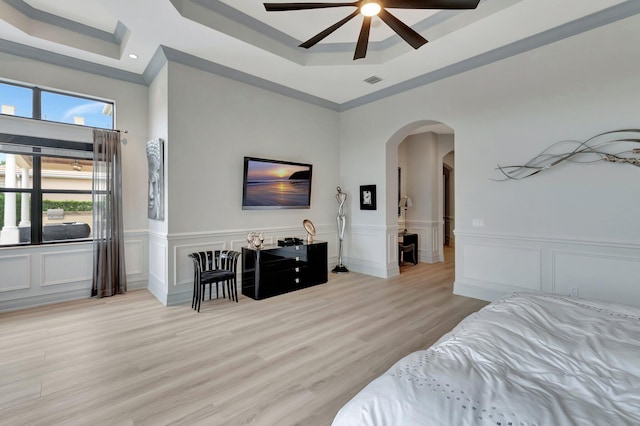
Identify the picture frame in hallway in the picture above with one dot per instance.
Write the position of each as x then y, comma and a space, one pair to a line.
367, 197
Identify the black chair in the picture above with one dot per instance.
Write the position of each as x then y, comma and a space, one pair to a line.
214, 267
409, 249
229, 262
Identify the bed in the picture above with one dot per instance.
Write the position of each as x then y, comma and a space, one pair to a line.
524, 360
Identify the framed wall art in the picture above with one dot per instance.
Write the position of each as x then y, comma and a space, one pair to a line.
367, 197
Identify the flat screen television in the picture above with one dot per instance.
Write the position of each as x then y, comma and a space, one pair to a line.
275, 184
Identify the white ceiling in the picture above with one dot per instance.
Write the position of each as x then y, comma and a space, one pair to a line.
241, 35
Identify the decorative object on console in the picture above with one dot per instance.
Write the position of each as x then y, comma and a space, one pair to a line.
617, 146
289, 241
405, 203
274, 184
341, 219
311, 230
367, 197
255, 240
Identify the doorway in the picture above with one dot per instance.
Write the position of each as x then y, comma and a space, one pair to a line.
425, 160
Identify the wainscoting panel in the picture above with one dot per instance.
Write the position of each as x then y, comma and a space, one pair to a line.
134, 255
491, 266
158, 270
505, 265
157, 256
392, 248
52, 273
136, 250
597, 276
362, 250
16, 272
56, 270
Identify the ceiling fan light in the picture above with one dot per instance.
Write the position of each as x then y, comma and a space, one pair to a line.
370, 8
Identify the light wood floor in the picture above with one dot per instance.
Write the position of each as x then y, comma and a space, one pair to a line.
294, 359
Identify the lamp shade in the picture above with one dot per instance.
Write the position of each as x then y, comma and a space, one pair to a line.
405, 202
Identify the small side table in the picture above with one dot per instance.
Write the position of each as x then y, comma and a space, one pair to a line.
405, 240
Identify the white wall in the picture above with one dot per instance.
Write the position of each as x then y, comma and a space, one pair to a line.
422, 185
422, 156
213, 123
403, 155
450, 162
158, 230
572, 226
40, 275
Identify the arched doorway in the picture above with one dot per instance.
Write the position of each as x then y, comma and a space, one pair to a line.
418, 150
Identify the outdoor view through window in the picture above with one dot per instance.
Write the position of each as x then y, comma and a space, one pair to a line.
47, 188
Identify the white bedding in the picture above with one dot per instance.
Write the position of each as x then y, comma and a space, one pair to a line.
524, 360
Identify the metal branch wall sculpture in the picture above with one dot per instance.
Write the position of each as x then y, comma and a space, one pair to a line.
618, 146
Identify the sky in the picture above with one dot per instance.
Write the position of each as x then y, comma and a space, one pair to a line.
55, 107
18, 100
259, 170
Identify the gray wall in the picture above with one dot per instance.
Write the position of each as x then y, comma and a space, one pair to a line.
571, 227
574, 226
213, 123
51, 273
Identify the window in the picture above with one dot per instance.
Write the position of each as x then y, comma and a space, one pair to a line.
76, 110
45, 184
16, 100
45, 193
43, 104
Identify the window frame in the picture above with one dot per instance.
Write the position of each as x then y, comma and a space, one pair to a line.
37, 145
36, 192
36, 103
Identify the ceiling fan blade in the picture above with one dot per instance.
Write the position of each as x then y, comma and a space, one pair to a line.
432, 4
318, 37
402, 29
363, 39
280, 7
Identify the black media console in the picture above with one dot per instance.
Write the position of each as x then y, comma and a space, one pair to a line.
274, 270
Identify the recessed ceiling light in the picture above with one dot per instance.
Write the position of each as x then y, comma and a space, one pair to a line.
133, 56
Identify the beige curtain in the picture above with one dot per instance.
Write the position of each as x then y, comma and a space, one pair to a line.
109, 275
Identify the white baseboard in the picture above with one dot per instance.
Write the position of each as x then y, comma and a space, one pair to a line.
57, 297
481, 293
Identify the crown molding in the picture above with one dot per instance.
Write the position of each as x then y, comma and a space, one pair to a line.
164, 54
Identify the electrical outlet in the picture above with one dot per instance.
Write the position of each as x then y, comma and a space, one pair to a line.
574, 291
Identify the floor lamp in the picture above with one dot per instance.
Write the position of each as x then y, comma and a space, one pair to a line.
405, 203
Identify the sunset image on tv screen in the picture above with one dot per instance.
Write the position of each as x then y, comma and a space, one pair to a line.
276, 184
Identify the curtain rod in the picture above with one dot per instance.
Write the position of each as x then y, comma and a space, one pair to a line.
111, 130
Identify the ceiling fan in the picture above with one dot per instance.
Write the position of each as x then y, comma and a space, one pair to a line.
370, 8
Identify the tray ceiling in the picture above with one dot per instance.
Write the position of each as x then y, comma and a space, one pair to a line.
239, 35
